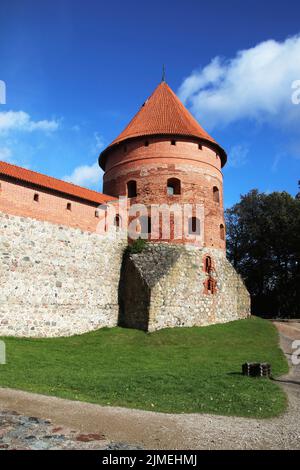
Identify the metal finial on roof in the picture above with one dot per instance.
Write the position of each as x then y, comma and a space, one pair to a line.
163, 78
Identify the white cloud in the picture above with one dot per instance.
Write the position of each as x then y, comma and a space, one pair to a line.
277, 160
86, 175
2, 92
89, 175
5, 154
21, 121
255, 84
238, 155
98, 143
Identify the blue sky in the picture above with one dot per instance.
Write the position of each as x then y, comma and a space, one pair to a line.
76, 72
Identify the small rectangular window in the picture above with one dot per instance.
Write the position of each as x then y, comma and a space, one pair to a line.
173, 142
173, 186
69, 206
200, 146
97, 214
131, 188
36, 197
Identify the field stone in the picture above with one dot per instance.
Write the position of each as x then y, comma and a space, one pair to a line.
61, 284
32, 433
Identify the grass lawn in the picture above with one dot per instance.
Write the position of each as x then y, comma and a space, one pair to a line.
180, 370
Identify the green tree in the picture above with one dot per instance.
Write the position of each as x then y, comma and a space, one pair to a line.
298, 194
263, 244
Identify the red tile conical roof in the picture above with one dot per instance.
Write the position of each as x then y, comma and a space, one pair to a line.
163, 114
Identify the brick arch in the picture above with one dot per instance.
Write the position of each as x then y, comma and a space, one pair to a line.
222, 232
118, 221
194, 226
216, 194
210, 285
131, 186
173, 186
208, 263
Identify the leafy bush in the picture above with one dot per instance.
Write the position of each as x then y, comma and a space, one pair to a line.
137, 246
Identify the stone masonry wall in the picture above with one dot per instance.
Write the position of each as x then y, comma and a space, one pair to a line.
60, 281
194, 307
176, 278
55, 280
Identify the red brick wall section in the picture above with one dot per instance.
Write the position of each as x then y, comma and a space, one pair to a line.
16, 198
198, 168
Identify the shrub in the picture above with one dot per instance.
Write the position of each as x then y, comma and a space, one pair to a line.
137, 246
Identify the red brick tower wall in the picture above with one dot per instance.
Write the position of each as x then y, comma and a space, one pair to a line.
152, 161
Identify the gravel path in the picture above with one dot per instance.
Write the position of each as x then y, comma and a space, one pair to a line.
84, 425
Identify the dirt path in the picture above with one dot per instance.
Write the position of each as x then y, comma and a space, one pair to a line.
166, 431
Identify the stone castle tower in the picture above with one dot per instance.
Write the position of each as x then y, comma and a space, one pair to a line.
164, 156
60, 277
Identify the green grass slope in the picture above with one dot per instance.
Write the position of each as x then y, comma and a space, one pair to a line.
179, 370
